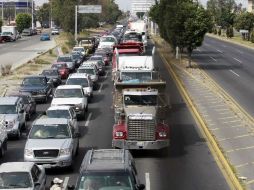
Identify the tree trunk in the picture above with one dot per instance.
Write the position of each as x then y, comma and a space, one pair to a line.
189, 57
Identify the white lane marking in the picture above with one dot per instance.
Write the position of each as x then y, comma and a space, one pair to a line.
106, 75
88, 120
219, 50
148, 181
100, 88
237, 60
234, 73
213, 58
65, 183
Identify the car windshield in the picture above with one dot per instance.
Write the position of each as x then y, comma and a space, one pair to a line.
64, 59
86, 42
96, 58
60, 131
76, 56
59, 114
107, 39
6, 33
106, 181
144, 100
88, 71
58, 66
133, 36
15, 180
50, 72
34, 81
135, 76
8, 109
78, 49
68, 93
78, 81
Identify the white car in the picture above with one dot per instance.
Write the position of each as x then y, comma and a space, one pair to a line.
82, 79
80, 49
66, 112
72, 95
91, 70
55, 31
22, 175
107, 42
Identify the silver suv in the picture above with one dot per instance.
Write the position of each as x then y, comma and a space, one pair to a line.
108, 169
12, 110
52, 142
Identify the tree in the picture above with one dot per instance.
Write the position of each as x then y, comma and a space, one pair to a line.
1, 23
245, 21
23, 20
43, 14
140, 14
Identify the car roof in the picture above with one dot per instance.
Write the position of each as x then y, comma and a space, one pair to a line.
51, 121
87, 66
106, 159
69, 87
8, 100
59, 108
78, 75
20, 94
16, 167
35, 76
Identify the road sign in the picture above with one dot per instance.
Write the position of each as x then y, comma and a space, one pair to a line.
89, 9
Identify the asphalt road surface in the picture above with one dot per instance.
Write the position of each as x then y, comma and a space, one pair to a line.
189, 164
231, 66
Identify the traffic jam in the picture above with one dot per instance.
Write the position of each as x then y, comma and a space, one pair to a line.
140, 107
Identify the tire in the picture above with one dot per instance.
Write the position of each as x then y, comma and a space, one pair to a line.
2, 150
77, 149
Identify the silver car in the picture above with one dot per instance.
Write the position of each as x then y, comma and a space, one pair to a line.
52, 142
22, 175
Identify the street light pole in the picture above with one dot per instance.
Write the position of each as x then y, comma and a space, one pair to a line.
32, 14
3, 10
76, 23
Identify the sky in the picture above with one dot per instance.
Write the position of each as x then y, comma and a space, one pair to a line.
125, 4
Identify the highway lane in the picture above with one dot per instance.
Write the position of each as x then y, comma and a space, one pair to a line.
231, 66
23, 50
189, 164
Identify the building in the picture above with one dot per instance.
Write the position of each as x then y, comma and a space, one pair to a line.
141, 5
250, 6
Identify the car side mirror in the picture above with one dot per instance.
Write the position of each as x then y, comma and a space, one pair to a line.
141, 187
70, 187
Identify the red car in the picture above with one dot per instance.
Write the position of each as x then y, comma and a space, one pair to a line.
62, 69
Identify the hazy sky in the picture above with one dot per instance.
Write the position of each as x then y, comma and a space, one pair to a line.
125, 4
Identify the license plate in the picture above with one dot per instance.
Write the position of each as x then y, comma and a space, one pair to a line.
140, 144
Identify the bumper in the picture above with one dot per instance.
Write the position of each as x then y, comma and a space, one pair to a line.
12, 132
59, 162
139, 145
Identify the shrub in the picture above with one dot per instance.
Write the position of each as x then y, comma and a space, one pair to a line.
41, 62
215, 31
6, 69
219, 32
252, 37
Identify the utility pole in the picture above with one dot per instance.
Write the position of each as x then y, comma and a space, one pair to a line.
3, 10
76, 23
32, 14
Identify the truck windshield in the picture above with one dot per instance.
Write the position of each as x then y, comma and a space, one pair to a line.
50, 131
132, 36
33, 81
68, 93
77, 81
64, 59
135, 76
15, 180
59, 114
8, 109
144, 100
106, 181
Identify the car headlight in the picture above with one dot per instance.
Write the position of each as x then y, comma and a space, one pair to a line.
65, 151
119, 134
28, 152
162, 134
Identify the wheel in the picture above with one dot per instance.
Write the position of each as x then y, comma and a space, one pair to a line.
77, 149
2, 151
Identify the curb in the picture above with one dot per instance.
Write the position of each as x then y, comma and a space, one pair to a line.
232, 178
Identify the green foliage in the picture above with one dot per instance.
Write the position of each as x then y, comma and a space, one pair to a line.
219, 32
183, 24
244, 21
43, 14
23, 20
252, 37
1, 23
41, 61
230, 32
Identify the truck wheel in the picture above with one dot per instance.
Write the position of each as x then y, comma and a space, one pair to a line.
2, 151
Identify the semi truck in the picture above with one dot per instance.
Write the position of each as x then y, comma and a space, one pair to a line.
140, 106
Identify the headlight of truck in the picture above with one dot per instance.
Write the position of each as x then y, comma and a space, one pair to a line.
11, 123
65, 151
119, 134
28, 152
162, 134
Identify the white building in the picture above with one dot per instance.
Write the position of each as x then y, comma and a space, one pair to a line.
141, 5
250, 6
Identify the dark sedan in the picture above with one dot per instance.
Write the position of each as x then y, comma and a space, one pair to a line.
54, 75
28, 102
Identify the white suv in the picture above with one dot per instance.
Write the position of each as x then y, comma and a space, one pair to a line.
91, 70
84, 80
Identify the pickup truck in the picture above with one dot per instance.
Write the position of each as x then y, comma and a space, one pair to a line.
52, 142
39, 86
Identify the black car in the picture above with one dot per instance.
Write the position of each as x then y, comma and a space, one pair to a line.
78, 58
53, 75
28, 102
39, 86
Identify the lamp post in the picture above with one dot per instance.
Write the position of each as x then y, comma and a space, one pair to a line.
32, 14
3, 10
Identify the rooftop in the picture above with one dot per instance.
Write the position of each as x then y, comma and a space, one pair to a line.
16, 167
50, 121
8, 100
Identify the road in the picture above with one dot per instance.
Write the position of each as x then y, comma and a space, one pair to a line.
231, 66
23, 50
189, 164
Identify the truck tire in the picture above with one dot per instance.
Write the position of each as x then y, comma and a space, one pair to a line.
3, 149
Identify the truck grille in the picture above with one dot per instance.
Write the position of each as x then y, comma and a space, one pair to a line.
139, 129
47, 153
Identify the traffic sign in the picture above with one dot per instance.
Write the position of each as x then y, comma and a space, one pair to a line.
89, 9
